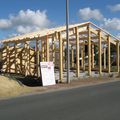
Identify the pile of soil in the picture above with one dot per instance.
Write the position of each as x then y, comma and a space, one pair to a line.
10, 87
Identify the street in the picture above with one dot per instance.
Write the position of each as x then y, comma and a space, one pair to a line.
99, 102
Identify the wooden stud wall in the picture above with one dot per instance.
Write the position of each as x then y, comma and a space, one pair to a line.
27, 59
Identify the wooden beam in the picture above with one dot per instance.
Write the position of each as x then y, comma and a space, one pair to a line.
81, 56
47, 49
109, 60
43, 50
60, 57
29, 63
100, 52
37, 58
72, 57
77, 52
63, 52
28, 58
93, 65
118, 56
43, 33
53, 48
83, 44
21, 60
104, 57
89, 51
15, 47
25, 57
93, 31
8, 58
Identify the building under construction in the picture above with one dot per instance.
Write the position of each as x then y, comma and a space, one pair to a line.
91, 49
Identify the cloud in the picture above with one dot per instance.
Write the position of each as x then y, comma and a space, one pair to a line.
111, 24
4, 24
26, 21
114, 8
88, 13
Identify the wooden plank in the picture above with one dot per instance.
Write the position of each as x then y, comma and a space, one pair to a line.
72, 57
37, 58
104, 57
47, 49
77, 52
83, 32
83, 57
94, 31
100, 53
53, 48
15, 47
8, 58
63, 54
109, 63
93, 65
43, 50
26, 60
60, 57
43, 33
118, 56
89, 51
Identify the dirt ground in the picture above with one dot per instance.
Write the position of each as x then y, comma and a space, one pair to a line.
12, 87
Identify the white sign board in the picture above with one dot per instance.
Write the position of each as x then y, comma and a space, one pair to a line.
47, 72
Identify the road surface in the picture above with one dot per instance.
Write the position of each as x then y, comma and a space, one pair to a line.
100, 102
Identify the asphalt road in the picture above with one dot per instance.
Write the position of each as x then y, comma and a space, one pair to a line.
100, 102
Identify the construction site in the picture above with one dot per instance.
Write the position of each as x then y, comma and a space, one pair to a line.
92, 51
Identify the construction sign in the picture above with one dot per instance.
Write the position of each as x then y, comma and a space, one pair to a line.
47, 73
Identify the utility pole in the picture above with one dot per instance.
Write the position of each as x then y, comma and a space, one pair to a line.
67, 38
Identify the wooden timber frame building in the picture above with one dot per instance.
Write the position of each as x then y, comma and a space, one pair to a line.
90, 50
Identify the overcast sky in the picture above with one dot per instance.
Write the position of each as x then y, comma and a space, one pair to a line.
24, 16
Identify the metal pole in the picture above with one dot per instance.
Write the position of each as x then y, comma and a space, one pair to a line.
67, 38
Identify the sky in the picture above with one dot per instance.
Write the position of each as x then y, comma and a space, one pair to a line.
24, 16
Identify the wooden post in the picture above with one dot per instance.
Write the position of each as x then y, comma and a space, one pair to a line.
93, 65
15, 48
37, 58
53, 48
72, 56
8, 58
25, 57
100, 53
63, 56
109, 63
104, 57
81, 56
84, 57
22, 60
89, 51
118, 56
77, 52
60, 57
43, 50
28, 61
47, 49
